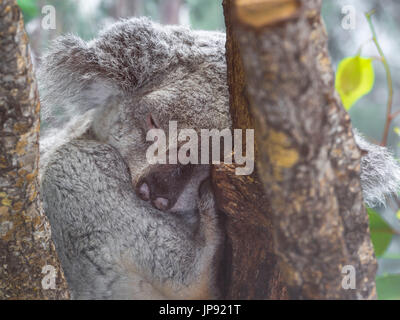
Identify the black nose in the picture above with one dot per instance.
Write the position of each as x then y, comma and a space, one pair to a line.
163, 184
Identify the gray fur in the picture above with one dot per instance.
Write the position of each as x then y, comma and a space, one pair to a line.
380, 172
112, 244
95, 98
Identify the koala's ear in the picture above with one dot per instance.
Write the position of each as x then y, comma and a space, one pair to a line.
71, 81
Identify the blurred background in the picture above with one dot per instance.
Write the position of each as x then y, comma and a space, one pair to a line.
86, 17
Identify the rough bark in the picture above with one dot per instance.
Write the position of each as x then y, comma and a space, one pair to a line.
25, 244
251, 264
307, 159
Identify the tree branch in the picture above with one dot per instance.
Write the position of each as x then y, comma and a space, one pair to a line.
389, 116
309, 164
25, 244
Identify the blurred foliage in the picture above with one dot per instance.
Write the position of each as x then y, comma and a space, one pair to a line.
206, 14
381, 232
388, 287
29, 9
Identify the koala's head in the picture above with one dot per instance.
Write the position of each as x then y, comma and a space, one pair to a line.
137, 75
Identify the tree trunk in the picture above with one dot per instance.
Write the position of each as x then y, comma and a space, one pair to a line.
126, 8
26, 249
250, 264
306, 158
169, 11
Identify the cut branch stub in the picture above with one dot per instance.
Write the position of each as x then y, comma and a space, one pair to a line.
261, 13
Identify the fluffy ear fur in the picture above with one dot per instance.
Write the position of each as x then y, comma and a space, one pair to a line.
76, 76
71, 81
380, 172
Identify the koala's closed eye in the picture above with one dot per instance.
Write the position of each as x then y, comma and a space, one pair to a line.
151, 123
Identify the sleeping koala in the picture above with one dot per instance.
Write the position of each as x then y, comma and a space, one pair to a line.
123, 228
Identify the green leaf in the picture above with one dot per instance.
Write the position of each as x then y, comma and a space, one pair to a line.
391, 256
388, 287
29, 9
354, 78
381, 232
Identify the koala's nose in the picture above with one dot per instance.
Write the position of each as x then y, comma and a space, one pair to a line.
163, 184
148, 191
145, 193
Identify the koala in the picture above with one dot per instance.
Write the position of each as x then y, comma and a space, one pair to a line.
124, 228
